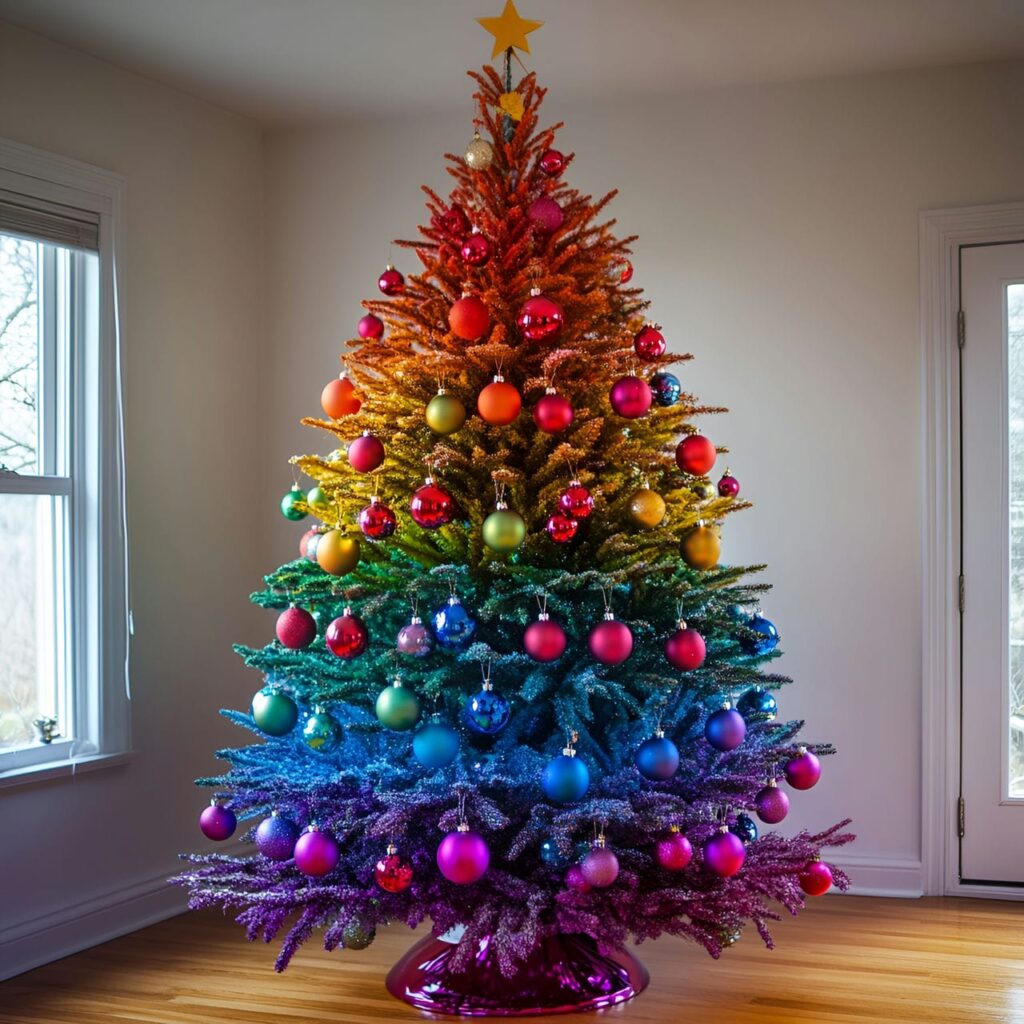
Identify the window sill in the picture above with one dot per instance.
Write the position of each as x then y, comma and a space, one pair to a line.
50, 771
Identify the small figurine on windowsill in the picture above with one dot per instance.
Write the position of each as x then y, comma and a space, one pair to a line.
46, 727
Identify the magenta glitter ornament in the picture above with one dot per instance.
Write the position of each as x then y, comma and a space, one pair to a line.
544, 640
771, 804
728, 486
610, 641
724, 854
630, 397
371, 326
366, 453
685, 648
561, 974
649, 343
553, 413
546, 214
574, 879
431, 506
804, 770
316, 853
347, 636
576, 501
600, 867
415, 638
463, 856
377, 521
540, 318
295, 628
816, 879
217, 822
551, 163
674, 852
391, 282
476, 250
561, 528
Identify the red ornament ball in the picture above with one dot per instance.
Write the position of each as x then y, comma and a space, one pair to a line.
561, 528
546, 214
576, 501
431, 506
391, 282
816, 879
499, 403
626, 274
553, 413
393, 872
339, 398
476, 250
371, 327
611, 642
377, 521
552, 163
695, 454
347, 636
307, 544
630, 397
365, 454
469, 318
685, 649
540, 318
544, 639
728, 486
649, 343
295, 628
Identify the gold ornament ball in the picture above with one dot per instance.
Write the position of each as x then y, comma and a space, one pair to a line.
701, 547
479, 153
704, 490
647, 508
337, 552
445, 413
504, 530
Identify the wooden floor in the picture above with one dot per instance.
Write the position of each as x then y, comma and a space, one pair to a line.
846, 959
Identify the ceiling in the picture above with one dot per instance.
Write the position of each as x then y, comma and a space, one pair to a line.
308, 60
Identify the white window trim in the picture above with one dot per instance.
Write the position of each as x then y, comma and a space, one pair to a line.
100, 596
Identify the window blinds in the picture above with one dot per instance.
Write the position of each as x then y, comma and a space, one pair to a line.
44, 221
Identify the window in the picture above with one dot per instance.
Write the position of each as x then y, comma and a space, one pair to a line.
63, 598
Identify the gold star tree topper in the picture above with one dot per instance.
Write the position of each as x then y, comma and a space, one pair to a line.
510, 30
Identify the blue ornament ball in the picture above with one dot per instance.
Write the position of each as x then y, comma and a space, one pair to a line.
565, 780
768, 639
666, 389
486, 713
436, 745
737, 613
551, 855
725, 730
453, 625
321, 732
744, 827
276, 837
657, 759
581, 849
757, 705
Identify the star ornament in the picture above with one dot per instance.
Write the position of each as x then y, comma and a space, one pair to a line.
510, 30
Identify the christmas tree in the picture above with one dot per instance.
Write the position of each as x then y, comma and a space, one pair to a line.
500, 693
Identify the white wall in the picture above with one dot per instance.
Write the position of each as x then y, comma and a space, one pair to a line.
85, 857
779, 244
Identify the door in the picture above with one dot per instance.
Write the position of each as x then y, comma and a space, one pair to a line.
992, 564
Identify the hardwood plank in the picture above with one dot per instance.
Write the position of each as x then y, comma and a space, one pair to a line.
931, 961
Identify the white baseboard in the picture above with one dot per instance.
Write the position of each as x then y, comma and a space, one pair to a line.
881, 876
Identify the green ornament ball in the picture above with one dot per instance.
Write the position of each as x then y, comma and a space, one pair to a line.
275, 713
504, 530
398, 708
290, 504
445, 414
317, 500
321, 732
357, 934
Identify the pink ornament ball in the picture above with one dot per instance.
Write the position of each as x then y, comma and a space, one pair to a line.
544, 640
316, 853
685, 649
217, 822
391, 282
296, 628
600, 867
371, 326
728, 486
546, 214
552, 163
575, 879
365, 454
463, 857
724, 854
771, 804
816, 879
674, 852
804, 770
476, 250
610, 642
630, 397
649, 343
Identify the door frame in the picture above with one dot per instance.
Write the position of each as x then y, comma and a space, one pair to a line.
942, 233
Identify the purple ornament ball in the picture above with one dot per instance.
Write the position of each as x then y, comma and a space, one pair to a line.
724, 854
217, 822
316, 853
463, 857
725, 730
546, 214
276, 837
575, 879
674, 852
772, 804
804, 770
415, 638
600, 867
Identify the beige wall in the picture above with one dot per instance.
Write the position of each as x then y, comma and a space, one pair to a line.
778, 242
193, 355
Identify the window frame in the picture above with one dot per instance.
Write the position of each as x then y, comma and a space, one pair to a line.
98, 613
